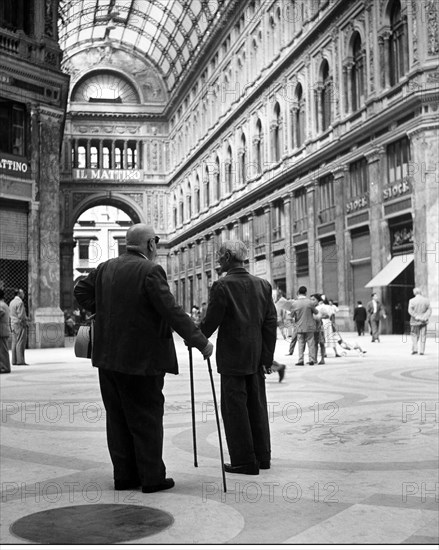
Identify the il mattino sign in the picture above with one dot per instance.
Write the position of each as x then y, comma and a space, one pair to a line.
110, 175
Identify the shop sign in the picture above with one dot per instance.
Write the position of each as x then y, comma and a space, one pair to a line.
110, 175
14, 166
356, 204
396, 190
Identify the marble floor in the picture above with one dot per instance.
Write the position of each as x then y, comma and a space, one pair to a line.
354, 456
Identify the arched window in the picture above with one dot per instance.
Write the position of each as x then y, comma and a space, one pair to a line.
217, 179
276, 135
325, 97
206, 188
258, 146
189, 201
398, 44
197, 195
181, 207
175, 212
243, 160
357, 74
229, 170
298, 117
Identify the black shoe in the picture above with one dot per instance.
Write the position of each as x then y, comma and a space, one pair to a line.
168, 483
251, 469
281, 373
288, 354
264, 464
310, 363
414, 352
300, 364
125, 484
321, 362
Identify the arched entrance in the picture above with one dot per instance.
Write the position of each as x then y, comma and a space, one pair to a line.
67, 243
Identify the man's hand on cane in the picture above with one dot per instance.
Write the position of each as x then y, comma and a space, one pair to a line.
208, 350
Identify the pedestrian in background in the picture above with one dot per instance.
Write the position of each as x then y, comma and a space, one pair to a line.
5, 334
19, 325
375, 312
241, 306
420, 311
303, 309
133, 348
360, 316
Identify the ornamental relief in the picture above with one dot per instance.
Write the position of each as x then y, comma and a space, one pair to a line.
432, 27
146, 76
106, 129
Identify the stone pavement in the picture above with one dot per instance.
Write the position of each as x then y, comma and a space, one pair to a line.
354, 456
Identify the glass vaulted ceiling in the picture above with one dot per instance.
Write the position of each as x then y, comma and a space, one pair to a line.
171, 33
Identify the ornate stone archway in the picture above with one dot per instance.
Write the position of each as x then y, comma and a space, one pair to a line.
72, 207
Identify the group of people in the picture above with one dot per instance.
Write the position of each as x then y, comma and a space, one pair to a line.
372, 313
14, 323
133, 349
313, 325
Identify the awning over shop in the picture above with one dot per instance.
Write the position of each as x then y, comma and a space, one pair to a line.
396, 266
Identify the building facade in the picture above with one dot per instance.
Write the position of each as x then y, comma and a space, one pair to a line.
33, 95
307, 128
312, 134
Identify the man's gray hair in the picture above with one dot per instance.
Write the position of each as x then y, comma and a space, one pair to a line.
237, 250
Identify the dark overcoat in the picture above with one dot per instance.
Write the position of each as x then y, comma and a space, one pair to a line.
241, 305
135, 311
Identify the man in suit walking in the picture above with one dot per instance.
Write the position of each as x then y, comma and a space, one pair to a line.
303, 309
375, 311
241, 305
420, 311
133, 349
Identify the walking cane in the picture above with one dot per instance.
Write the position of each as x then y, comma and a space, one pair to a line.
217, 424
194, 435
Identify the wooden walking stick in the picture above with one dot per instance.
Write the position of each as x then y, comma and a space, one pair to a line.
217, 424
194, 435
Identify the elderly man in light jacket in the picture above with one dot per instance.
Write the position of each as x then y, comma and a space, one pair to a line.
420, 311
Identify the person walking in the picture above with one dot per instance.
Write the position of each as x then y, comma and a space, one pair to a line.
303, 309
375, 311
5, 334
133, 348
360, 316
241, 305
19, 325
420, 311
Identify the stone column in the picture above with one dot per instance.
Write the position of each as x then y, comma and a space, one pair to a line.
87, 154
67, 245
342, 264
251, 247
310, 190
424, 180
101, 154
48, 330
289, 251
268, 244
376, 183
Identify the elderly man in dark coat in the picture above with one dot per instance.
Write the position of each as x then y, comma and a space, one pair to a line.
133, 349
241, 305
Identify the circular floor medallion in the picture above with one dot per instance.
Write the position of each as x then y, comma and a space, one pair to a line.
92, 524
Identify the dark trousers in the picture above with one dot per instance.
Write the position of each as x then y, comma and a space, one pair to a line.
245, 417
360, 327
134, 406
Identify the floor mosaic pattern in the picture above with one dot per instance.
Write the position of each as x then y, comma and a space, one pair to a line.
354, 445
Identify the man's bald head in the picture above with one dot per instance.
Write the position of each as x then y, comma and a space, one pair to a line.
139, 234
140, 237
